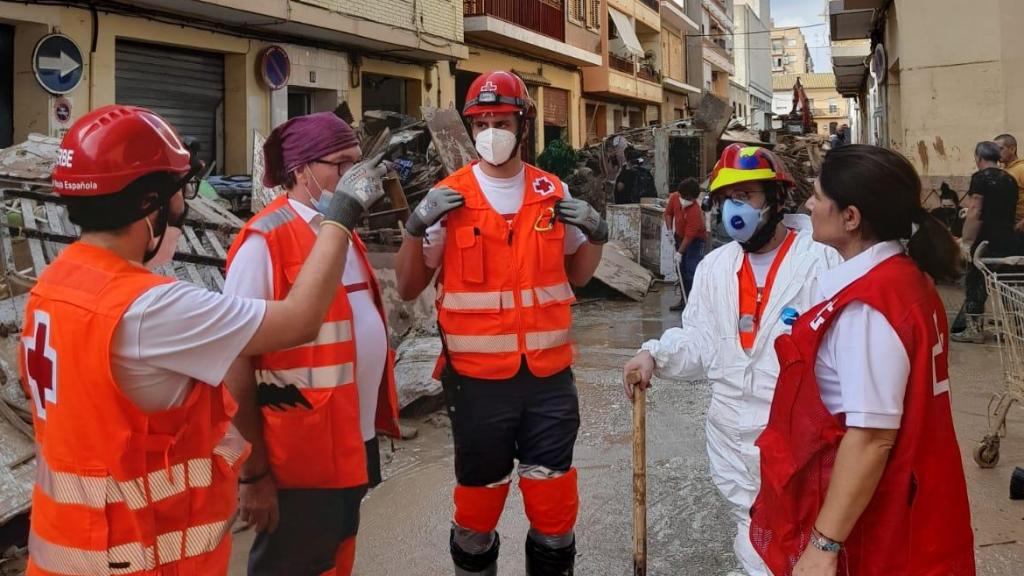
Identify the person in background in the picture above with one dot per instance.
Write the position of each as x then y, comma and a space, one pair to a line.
841, 137
312, 412
991, 213
861, 469
949, 211
686, 220
1015, 167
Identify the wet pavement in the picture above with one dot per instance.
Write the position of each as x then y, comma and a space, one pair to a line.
405, 521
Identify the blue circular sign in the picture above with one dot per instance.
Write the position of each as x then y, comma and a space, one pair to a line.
57, 62
275, 67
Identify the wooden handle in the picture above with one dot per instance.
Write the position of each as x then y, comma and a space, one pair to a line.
639, 474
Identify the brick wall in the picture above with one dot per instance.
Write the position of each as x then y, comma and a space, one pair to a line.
440, 18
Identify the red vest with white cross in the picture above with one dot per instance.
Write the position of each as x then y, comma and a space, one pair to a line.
918, 522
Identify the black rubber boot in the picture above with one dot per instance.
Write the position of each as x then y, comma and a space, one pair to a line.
542, 560
466, 563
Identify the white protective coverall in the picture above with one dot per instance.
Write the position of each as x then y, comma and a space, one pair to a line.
708, 343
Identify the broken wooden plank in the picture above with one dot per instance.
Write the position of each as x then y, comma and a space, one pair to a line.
35, 246
213, 275
218, 250
618, 270
448, 132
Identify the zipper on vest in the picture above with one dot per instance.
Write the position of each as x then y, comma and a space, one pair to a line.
517, 293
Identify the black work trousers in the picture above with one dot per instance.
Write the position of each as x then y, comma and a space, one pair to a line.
525, 418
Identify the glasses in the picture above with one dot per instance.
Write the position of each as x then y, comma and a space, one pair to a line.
341, 166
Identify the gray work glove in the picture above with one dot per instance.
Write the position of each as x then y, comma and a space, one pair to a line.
357, 190
435, 204
583, 216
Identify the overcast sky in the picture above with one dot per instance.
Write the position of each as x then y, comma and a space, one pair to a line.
807, 13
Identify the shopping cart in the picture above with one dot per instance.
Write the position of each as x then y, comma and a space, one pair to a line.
1004, 282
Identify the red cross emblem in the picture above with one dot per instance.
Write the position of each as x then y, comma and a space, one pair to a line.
41, 364
489, 87
543, 186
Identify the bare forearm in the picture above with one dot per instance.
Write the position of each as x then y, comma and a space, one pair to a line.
411, 269
298, 317
685, 244
241, 382
863, 454
972, 223
583, 263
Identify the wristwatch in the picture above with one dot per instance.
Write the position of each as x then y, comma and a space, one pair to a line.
824, 543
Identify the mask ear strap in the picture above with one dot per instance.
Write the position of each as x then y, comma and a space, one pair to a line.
161, 224
519, 139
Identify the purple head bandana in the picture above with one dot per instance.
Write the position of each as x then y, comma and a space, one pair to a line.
301, 140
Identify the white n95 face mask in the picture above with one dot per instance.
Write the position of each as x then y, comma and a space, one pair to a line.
496, 146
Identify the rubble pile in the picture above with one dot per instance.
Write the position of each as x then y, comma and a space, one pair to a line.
406, 142
803, 156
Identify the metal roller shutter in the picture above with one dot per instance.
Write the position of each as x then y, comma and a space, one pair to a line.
186, 87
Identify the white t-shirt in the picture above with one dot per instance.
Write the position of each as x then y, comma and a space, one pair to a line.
505, 195
252, 275
761, 264
176, 333
862, 366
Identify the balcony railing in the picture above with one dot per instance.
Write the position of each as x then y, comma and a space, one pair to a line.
621, 64
545, 17
652, 4
648, 74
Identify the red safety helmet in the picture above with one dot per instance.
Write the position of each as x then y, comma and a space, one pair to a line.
111, 147
741, 163
498, 92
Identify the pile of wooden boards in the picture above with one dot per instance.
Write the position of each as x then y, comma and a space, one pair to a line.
803, 156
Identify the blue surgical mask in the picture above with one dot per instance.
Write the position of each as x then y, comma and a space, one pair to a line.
741, 220
320, 204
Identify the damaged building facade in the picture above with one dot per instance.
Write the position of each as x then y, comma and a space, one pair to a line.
205, 65
930, 96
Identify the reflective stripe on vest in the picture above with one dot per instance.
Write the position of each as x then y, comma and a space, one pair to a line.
752, 300
99, 491
466, 301
319, 377
339, 332
127, 558
506, 342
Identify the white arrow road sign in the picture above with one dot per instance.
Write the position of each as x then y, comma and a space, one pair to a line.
64, 64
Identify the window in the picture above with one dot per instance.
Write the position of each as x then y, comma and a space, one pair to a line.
578, 11
594, 14
833, 106
777, 46
777, 64
791, 42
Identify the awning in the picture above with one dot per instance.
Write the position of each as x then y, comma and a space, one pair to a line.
627, 44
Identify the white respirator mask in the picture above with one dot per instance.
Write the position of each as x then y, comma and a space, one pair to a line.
496, 146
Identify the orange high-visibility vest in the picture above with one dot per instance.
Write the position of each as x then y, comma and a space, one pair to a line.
503, 291
753, 300
315, 442
118, 490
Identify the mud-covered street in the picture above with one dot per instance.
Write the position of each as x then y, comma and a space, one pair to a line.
405, 521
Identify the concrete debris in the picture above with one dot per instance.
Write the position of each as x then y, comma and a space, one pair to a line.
32, 159
619, 270
414, 369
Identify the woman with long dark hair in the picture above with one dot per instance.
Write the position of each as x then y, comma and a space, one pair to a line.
861, 471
